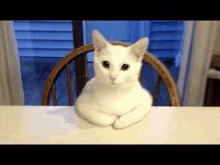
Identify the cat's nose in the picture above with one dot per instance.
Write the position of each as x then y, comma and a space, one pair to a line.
113, 79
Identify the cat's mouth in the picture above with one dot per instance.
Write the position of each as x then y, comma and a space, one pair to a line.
113, 83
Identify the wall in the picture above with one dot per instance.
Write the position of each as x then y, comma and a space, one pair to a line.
217, 42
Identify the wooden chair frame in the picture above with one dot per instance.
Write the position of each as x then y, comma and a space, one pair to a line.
163, 74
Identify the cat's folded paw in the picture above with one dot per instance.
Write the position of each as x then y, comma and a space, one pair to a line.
106, 120
121, 123
124, 122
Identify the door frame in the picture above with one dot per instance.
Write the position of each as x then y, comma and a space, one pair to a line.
184, 57
196, 56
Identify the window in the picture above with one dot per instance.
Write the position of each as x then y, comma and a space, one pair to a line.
42, 44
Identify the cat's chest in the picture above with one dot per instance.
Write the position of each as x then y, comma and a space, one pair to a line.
117, 102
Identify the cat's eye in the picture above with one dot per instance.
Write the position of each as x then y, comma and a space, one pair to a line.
105, 64
125, 67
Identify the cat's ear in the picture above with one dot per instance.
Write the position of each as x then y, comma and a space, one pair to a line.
99, 41
138, 49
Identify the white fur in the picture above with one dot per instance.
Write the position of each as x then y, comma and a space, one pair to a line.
123, 102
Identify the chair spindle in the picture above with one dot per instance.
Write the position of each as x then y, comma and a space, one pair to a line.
54, 94
156, 90
70, 91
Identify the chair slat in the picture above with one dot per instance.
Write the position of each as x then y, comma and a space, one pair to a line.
70, 91
54, 94
156, 90
80, 69
169, 103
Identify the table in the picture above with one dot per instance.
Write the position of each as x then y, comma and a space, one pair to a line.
61, 125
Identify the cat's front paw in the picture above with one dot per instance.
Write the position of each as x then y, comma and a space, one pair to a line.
118, 124
122, 122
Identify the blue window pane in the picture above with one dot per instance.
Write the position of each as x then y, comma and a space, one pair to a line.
128, 31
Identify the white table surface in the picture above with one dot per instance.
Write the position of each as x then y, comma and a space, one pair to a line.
61, 125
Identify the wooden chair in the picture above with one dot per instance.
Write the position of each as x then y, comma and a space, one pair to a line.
64, 63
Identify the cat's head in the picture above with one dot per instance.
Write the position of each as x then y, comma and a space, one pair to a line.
117, 65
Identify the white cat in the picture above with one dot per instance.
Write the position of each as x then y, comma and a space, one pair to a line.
114, 95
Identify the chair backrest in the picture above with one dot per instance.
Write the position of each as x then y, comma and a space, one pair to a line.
64, 63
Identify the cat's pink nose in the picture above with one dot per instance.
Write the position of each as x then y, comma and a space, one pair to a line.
113, 79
